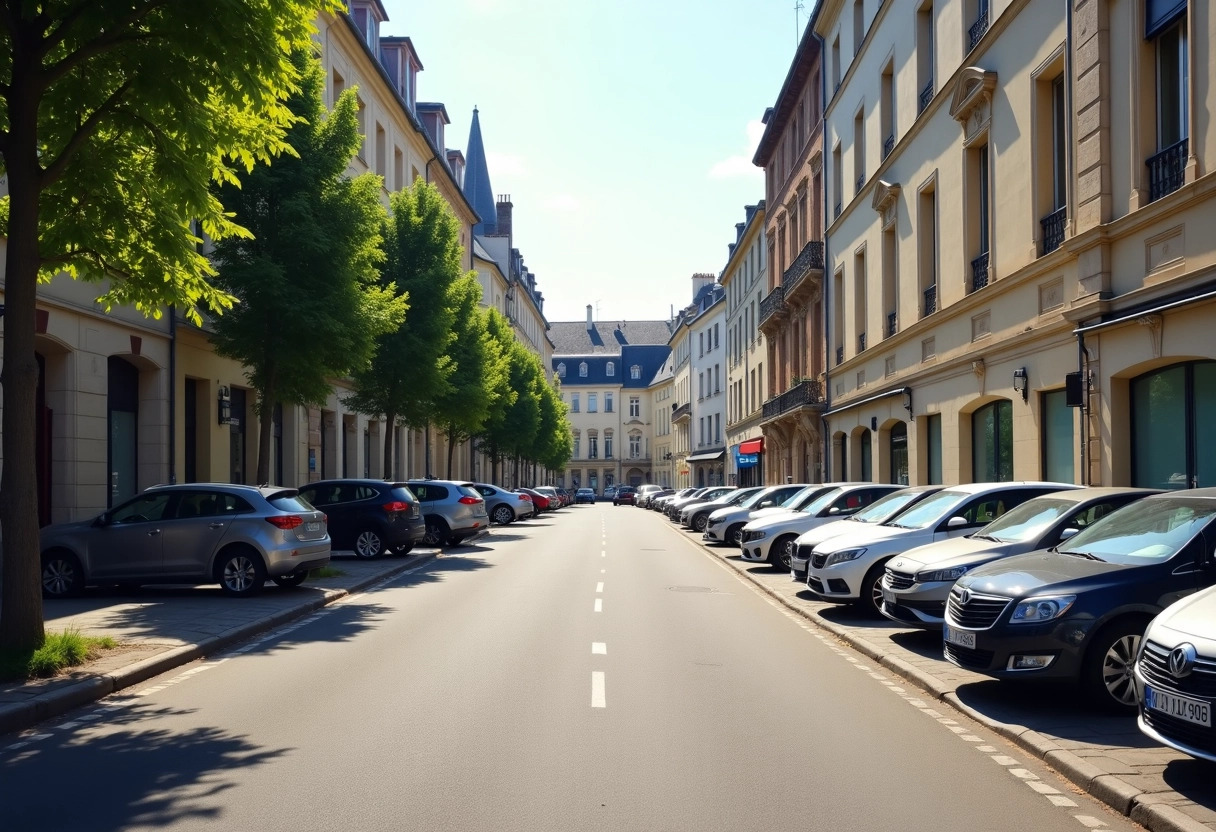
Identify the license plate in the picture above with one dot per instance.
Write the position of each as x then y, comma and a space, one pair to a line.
1195, 711
959, 637
313, 526
888, 597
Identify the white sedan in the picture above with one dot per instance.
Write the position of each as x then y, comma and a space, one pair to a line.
725, 524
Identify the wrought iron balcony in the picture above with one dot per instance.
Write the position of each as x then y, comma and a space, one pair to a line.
977, 30
1053, 229
979, 272
926, 95
806, 393
861, 181
890, 324
837, 210
683, 411
772, 305
839, 355
808, 260
1167, 170
861, 342
888, 146
931, 300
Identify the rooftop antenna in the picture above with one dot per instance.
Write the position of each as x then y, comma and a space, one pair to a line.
798, 7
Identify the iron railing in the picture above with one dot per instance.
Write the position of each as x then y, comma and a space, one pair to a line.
861, 181
926, 95
840, 355
931, 300
861, 342
977, 30
979, 272
888, 146
680, 411
773, 303
837, 210
1053, 229
1167, 170
806, 393
811, 257
890, 324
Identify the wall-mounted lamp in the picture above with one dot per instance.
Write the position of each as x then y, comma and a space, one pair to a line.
908, 401
1021, 383
225, 401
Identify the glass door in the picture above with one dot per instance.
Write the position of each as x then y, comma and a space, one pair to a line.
123, 416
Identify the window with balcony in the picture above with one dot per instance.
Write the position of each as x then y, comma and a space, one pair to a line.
980, 216
859, 150
926, 249
1168, 31
1051, 160
978, 23
924, 55
890, 281
859, 25
886, 115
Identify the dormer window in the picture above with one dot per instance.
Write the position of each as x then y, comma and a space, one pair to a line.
635, 372
582, 370
611, 369
561, 370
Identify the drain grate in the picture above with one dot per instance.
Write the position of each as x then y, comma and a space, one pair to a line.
691, 589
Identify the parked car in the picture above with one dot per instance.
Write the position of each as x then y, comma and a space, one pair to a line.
701, 495
455, 512
1175, 676
584, 495
1078, 612
555, 499
716, 496
505, 506
849, 569
725, 524
773, 538
625, 495
647, 500
660, 503
541, 501
696, 515
610, 492
233, 535
917, 583
881, 511
565, 496
368, 517
644, 492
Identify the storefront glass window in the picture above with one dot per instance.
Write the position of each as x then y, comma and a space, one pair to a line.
899, 454
992, 442
1057, 438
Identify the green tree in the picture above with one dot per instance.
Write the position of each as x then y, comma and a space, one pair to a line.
410, 370
554, 442
478, 368
115, 120
313, 259
489, 437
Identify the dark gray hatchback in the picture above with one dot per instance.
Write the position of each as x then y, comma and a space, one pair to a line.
1078, 612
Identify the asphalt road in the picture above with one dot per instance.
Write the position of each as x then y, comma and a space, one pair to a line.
593, 670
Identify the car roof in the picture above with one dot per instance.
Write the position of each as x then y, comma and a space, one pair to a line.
1082, 495
1197, 493
231, 487
981, 487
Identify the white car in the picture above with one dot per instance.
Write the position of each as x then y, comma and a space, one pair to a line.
696, 515
660, 503
917, 583
725, 524
772, 538
680, 500
675, 510
1174, 674
885, 509
849, 568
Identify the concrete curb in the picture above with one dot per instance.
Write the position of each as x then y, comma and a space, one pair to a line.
22, 715
1141, 807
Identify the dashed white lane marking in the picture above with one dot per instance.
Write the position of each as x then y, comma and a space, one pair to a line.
1061, 800
1090, 822
599, 587
1002, 760
599, 604
1042, 788
603, 571
599, 648
598, 698
603, 554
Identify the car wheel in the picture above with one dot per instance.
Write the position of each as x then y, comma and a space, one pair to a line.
436, 532
292, 580
782, 552
369, 544
404, 550
734, 535
1106, 676
62, 576
241, 572
503, 515
700, 522
871, 590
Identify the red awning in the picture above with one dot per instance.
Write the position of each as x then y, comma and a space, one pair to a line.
752, 446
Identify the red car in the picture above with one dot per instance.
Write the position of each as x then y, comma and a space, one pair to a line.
539, 500
625, 496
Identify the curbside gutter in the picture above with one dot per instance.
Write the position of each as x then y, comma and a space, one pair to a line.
22, 715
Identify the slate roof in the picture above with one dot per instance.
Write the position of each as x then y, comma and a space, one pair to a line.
477, 181
648, 358
606, 337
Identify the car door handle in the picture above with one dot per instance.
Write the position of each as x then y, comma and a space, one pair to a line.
215, 526
154, 533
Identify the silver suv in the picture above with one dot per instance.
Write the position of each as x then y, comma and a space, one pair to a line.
236, 535
454, 511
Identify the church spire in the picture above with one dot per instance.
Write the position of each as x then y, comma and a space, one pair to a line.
477, 181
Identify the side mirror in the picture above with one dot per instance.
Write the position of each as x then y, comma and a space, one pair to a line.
765, 504
834, 510
1067, 533
957, 523
102, 520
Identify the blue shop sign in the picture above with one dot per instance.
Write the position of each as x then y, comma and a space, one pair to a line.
747, 460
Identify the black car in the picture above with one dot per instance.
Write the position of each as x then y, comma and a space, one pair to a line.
1077, 612
370, 517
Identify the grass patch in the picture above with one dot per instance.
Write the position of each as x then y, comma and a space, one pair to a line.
326, 572
58, 652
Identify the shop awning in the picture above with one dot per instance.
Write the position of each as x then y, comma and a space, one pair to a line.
752, 446
709, 457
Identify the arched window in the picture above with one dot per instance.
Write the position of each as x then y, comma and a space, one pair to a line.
1169, 447
561, 370
992, 442
582, 369
611, 369
635, 372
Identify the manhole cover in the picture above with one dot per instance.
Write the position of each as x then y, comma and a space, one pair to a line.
691, 589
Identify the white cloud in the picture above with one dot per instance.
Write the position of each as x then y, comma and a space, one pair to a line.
506, 165
741, 164
562, 202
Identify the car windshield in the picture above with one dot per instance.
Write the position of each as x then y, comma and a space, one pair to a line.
801, 497
403, 494
1147, 531
756, 498
1027, 521
739, 496
469, 491
822, 501
929, 510
882, 510
289, 501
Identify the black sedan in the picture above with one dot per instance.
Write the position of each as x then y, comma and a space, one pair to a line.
368, 517
1078, 612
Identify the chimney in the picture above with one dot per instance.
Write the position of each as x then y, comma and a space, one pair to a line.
504, 207
700, 281
590, 322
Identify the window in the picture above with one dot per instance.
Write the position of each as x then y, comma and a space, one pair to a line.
701, 335
898, 453
981, 216
835, 65
582, 369
701, 431
992, 442
924, 55
837, 182
717, 428
607, 402
635, 407
1170, 447
593, 447
926, 244
611, 370
867, 456
890, 284
717, 342
859, 150
1051, 159
608, 447
635, 372
592, 403
635, 446
574, 402
859, 300
886, 115
561, 370
859, 25
717, 379
1167, 168
933, 435
1057, 437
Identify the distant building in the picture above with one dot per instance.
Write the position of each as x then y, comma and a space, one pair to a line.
744, 279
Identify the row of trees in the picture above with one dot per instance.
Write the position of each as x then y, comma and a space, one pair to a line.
125, 129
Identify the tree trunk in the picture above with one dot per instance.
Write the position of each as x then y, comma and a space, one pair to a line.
390, 434
21, 606
451, 450
265, 433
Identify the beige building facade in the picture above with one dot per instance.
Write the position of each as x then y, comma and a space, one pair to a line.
745, 280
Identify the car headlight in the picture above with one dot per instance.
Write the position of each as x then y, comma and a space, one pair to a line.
843, 556
757, 534
940, 575
1038, 610
713, 522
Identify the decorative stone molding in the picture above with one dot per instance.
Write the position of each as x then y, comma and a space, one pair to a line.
816, 162
1155, 325
977, 367
886, 202
971, 104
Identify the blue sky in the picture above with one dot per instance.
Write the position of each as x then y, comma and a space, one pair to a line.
622, 130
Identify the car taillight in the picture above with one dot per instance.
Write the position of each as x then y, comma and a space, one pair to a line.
286, 521
525, 498
469, 501
396, 505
